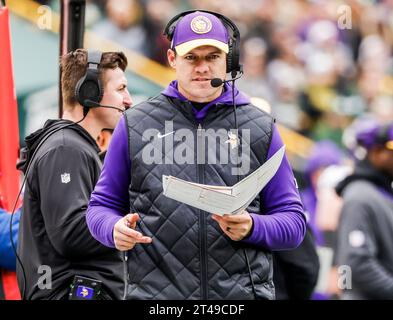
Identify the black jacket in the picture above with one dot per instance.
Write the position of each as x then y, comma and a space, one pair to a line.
296, 271
365, 234
53, 232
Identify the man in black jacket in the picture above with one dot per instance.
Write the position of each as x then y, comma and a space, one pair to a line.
365, 235
54, 242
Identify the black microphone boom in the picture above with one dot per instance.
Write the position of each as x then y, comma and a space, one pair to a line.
216, 82
92, 104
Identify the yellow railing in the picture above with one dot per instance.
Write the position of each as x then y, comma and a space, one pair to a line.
295, 142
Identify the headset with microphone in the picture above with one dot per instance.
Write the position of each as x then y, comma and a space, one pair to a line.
89, 93
233, 65
89, 90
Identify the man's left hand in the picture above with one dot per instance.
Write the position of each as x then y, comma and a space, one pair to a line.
236, 227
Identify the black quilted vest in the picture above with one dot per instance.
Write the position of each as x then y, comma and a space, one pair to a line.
190, 257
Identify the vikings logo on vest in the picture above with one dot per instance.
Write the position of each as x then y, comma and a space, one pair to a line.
201, 25
200, 146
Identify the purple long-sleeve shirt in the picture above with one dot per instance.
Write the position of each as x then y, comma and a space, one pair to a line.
280, 226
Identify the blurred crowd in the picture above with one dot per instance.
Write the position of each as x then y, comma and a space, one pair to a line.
320, 64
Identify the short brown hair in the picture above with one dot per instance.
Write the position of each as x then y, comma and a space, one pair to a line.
74, 65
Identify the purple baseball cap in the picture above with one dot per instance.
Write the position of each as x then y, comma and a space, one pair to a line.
374, 134
199, 29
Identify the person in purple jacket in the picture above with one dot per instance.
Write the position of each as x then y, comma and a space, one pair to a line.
192, 131
324, 154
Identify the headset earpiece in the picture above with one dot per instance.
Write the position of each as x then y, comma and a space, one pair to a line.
89, 86
235, 58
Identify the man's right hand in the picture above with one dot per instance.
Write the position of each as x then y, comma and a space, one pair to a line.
125, 235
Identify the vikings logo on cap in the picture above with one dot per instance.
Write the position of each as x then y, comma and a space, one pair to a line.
199, 29
201, 24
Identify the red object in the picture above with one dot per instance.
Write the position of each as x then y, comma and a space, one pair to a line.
9, 139
10, 285
9, 131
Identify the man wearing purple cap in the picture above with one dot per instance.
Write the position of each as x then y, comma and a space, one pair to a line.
365, 234
188, 131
